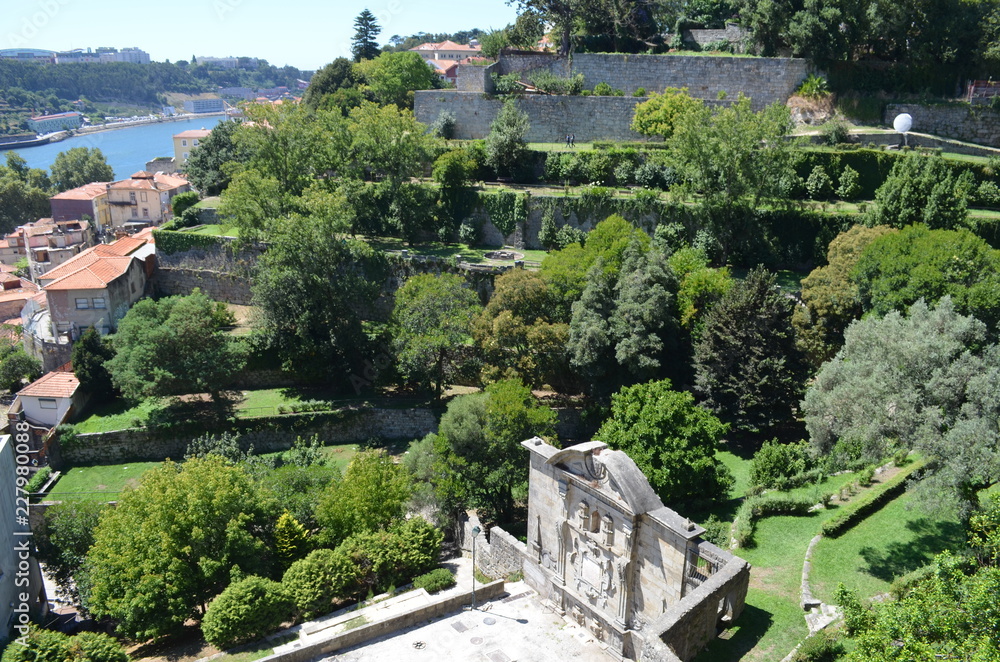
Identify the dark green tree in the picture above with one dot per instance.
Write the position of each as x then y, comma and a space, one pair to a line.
366, 29
337, 75
78, 166
174, 346
90, 353
505, 143
747, 367
247, 610
431, 323
66, 535
173, 543
204, 168
17, 368
671, 439
392, 78
920, 189
182, 202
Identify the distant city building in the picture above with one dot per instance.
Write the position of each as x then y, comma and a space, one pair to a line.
78, 56
205, 106
57, 122
134, 55
28, 55
244, 93
446, 50
184, 142
221, 62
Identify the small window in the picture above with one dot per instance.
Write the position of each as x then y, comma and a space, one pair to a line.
194, 144
98, 302
142, 196
131, 197
184, 142
145, 212
186, 154
82, 304
47, 403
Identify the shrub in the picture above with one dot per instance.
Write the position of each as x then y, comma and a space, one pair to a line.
850, 187
901, 457
468, 232
313, 583
814, 87
96, 647
866, 476
819, 185
835, 132
639, 92
38, 480
435, 580
624, 173
546, 81
52, 646
393, 557
988, 194
717, 532
247, 610
775, 464
567, 235
602, 89
824, 646
182, 201
871, 502
757, 507
444, 125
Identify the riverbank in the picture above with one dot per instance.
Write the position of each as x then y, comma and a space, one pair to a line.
99, 128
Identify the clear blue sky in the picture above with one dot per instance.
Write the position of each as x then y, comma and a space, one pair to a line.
304, 33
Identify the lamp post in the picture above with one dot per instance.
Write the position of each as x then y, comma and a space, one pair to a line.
475, 534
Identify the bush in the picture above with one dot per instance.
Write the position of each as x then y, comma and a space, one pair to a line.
819, 185
567, 235
866, 476
52, 646
602, 89
849, 187
639, 92
824, 646
96, 647
393, 557
814, 87
444, 125
468, 232
835, 132
546, 81
182, 201
871, 502
247, 610
435, 580
775, 464
313, 583
988, 194
36, 482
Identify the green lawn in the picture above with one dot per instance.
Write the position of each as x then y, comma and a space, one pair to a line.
103, 483
790, 281
220, 230
211, 202
892, 542
740, 468
117, 415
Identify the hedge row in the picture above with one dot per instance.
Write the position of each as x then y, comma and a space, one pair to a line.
758, 507
869, 503
169, 243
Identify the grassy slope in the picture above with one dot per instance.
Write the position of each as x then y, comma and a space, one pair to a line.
102, 483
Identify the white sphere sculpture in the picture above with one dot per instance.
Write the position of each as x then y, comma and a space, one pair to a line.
902, 123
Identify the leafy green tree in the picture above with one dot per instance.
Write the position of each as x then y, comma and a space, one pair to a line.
898, 269
337, 75
386, 143
320, 578
395, 556
671, 439
924, 381
298, 489
661, 113
849, 187
452, 171
366, 29
481, 435
17, 368
818, 185
392, 78
505, 144
291, 539
431, 322
53, 646
172, 543
183, 201
747, 366
831, 298
67, 534
920, 189
984, 531
312, 287
253, 204
90, 353
562, 14
78, 166
950, 613
247, 610
173, 346
20, 203
205, 167
371, 496
699, 286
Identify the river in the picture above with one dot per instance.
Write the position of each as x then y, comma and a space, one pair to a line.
126, 150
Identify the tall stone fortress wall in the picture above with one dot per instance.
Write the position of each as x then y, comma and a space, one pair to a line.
764, 80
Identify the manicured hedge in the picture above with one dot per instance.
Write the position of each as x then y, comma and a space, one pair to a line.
869, 503
758, 507
169, 243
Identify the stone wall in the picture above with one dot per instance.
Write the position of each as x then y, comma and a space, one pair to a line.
217, 285
51, 354
497, 556
266, 435
960, 121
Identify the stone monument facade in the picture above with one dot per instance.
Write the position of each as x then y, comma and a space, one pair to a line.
604, 550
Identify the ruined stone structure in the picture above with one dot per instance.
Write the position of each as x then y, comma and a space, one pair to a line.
603, 550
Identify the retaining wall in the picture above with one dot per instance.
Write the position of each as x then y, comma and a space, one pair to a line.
266, 435
974, 124
217, 285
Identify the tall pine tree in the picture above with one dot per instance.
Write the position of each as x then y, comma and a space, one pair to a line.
366, 28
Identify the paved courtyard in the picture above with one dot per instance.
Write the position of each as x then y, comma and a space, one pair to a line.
515, 628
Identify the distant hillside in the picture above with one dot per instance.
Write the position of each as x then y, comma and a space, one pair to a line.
115, 81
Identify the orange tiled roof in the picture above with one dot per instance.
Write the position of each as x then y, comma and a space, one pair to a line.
193, 133
94, 276
446, 46
85, 192
52, 385
148, 181
116, 249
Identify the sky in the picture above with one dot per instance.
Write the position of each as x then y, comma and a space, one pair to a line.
303, 33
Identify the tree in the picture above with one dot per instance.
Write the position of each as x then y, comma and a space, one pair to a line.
366, 29
386, 143
699, 287
291, 539
924, 381
78, 166
205, 168
831, 298
53, 646
67, 534
172, 543
920, 189
371, 496
671, 439
392, 78
395, 556
662, 112
505, 143
481, 435
337, 75
247, 610
320, 578
174, 346
17, 368
898, 269
90, 353
747, 366
560, 13
20, 203
183, 201
431, 322
312, 287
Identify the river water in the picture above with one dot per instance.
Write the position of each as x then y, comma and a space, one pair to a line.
126, 150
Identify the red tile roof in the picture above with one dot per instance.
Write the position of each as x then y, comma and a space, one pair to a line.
52, 385
94, 276
446, 46
85, 192
117, 252
193, 133
148, 181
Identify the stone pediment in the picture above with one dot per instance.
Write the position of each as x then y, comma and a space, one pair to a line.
610, 471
